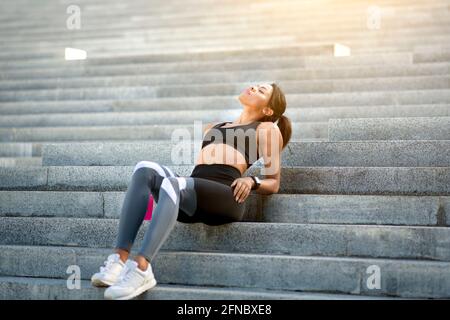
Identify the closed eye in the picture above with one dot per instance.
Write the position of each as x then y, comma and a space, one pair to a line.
260, 90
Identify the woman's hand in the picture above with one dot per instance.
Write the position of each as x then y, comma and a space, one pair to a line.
242, 188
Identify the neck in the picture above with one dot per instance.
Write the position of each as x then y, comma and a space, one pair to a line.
246, 117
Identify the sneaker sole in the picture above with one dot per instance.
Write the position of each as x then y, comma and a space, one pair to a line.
139, 290
101, 283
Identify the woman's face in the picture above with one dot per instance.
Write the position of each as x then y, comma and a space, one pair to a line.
256, 96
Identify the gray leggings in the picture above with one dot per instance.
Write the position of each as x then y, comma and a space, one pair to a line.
185, 198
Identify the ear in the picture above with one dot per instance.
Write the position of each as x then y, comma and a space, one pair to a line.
268, 111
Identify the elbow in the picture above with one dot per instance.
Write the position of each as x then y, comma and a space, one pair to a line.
276, 189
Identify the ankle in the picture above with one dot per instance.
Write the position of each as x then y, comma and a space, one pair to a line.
143, 268
123, 255
142, 263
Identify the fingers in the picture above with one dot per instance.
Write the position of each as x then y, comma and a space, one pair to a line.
244, 195
241, 192
238, 186
238, 191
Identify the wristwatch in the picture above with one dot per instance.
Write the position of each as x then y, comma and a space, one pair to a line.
257, 182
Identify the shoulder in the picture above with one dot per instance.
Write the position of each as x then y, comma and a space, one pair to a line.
269, 128
209, 126
267, 125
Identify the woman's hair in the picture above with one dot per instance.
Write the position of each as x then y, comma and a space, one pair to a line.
277, 103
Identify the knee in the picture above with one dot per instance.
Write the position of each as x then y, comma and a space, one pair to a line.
146, 173
151, 165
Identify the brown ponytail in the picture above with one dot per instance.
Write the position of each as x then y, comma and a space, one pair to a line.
286, 129
277, 103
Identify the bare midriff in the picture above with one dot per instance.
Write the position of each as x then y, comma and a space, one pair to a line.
222, 153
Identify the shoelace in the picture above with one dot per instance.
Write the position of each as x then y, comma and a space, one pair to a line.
107, 264
125, 276
123, 272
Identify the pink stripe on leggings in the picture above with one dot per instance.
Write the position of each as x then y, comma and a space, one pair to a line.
148, 214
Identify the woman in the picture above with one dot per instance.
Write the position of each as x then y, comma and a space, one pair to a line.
213, 194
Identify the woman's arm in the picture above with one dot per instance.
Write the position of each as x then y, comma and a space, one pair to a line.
270, 146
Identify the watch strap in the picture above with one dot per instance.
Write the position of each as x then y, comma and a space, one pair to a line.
256, 186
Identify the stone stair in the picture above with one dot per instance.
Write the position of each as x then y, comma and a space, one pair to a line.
365, 178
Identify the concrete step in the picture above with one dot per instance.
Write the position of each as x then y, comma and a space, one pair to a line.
428, 57
310, 56
215, 18
20, 150
371, 154
355, 209
118, 118
282, 72
219, 16
417, 128
203, 69
308, 28
297, 110
346, 25
294, 101
26, 115
403, 278
34, 149
156, 65
182, 86
223, 24
312, 154
317, 114
362, 45
308, 130
162, 17
167, 16
131, 91
276, 208
20, 161
386, 44
219, 54
26, 288
224, 11
400, 42
430, 243
286, 34
309, 180
334, 99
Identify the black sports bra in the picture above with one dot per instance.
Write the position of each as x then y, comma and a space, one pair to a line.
247, 139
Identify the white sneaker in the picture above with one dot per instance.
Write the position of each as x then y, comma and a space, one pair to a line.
110, 273
133, 283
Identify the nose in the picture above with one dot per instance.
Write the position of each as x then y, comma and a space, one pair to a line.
251, 89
